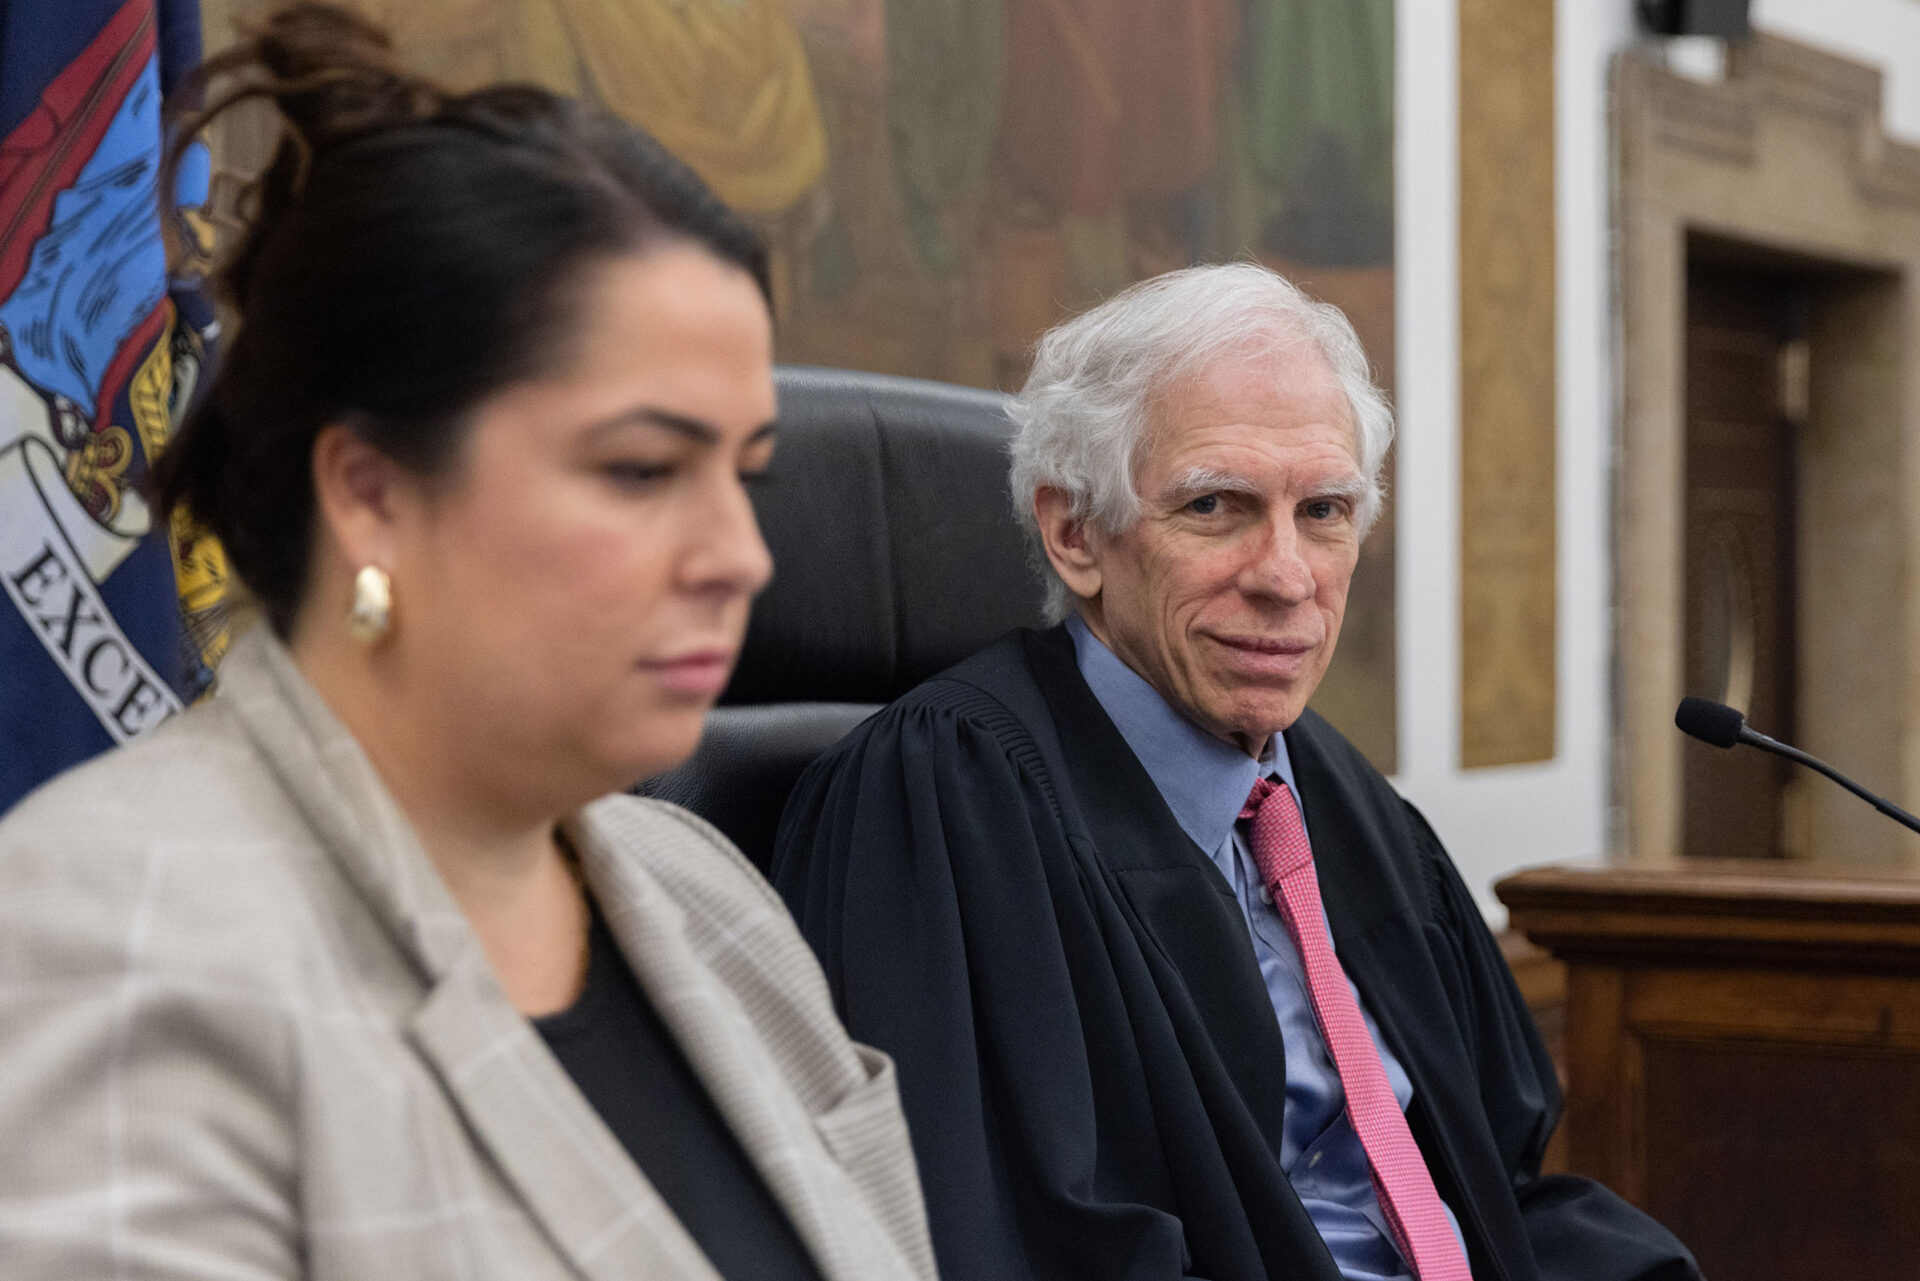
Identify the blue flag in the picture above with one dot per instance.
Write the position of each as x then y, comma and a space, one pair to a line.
108, 621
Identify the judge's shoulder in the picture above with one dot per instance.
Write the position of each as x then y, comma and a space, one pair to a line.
993, 693
998, 690
999, 696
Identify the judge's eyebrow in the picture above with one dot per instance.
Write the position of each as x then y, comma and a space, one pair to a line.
1196, 482
695, 429
1352, 487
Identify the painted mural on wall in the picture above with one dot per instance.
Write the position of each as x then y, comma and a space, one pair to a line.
944, 179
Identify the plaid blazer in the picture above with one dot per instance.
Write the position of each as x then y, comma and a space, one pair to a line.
245, 1032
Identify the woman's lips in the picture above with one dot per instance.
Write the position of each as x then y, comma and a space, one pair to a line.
702, 672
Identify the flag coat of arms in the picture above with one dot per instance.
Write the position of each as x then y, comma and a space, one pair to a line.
108, 621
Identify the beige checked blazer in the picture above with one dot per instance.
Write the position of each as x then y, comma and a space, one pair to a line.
246, 1033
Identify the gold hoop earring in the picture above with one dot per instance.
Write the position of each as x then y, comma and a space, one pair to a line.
372, 612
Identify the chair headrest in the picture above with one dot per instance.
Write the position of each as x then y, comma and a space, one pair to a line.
895, 549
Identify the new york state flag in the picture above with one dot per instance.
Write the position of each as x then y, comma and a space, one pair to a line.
108, 622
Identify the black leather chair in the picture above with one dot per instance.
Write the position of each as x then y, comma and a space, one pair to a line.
895, 555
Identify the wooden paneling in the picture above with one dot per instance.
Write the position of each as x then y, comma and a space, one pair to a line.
1507, 401
1743, 1054
1789, 1128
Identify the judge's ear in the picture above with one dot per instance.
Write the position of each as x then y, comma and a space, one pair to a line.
1068, 541
360, 495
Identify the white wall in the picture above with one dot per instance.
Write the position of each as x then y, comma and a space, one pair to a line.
1885, 33
1497, 820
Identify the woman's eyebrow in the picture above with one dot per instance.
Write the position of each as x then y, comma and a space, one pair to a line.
680, 424
695, 429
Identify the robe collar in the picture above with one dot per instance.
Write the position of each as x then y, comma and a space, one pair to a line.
1204, 780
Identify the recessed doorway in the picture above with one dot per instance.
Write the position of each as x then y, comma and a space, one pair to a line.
1746, 376
1768, 482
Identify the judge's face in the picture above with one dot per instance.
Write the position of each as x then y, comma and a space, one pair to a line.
571, 599
1228, 593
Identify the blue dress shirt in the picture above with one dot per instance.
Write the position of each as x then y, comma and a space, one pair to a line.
1205, 782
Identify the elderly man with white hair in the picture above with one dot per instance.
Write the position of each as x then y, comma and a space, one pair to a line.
1177, 985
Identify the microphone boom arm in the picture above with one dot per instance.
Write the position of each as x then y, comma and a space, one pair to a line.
1892, 811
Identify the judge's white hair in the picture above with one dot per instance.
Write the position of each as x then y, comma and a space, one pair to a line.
1081, 419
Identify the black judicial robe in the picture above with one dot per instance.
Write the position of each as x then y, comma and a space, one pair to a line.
1091, 1068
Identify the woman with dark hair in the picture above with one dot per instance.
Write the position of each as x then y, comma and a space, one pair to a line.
346, 972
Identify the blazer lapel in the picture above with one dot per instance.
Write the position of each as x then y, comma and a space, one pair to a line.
713, 1030
330, 781
574, 1176
575, 1179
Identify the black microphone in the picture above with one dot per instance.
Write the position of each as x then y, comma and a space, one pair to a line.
1721, 726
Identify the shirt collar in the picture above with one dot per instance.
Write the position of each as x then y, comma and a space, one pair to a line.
1204, 780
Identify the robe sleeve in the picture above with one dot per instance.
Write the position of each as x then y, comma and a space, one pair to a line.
1579, 1230
925, 861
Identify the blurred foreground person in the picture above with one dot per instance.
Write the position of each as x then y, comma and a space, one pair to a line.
1075, 885
346, 973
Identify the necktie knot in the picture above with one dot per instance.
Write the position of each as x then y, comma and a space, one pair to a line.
1279, 838
1263, 787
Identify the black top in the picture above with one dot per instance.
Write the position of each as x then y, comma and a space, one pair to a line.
623, 1058
1088, 1058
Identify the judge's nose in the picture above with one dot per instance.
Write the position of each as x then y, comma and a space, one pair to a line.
1277, 566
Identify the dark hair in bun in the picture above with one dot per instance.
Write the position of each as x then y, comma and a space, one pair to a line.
406, 253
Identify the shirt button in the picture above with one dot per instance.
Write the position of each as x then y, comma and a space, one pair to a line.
1266, 895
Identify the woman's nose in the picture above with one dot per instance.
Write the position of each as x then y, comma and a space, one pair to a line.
731, 556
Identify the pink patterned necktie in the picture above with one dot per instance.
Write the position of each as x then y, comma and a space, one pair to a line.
1400, 1177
